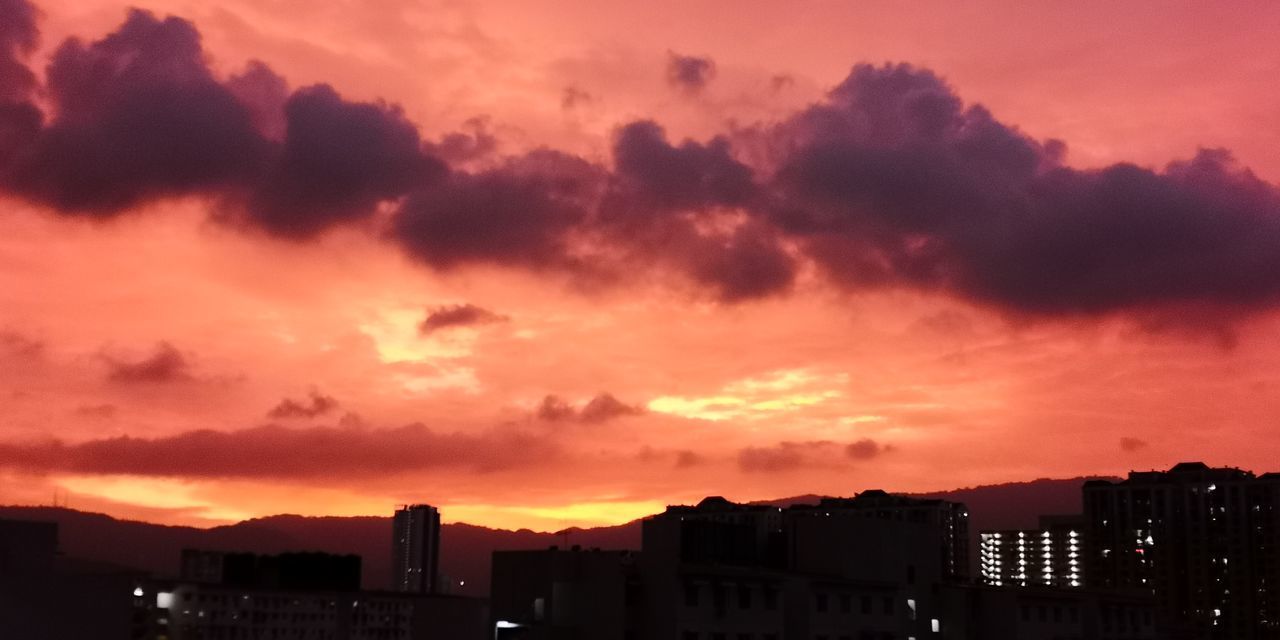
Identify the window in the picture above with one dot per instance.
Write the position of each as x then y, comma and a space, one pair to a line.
866, 605
911, 574
744, 596
820, 602
935, 625
846, 603
689, 635
888, 605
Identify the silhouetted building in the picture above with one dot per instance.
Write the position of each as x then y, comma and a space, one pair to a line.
723, 571
1051, 555
949, 519
1205, 541
299, 571
415, 549
45, 596
230, 596
1046, 613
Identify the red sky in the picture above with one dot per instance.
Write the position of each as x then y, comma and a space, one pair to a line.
888, 277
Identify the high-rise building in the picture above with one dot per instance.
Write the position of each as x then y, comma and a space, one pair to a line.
1051, 555
949, 519
415, 549
1204, 541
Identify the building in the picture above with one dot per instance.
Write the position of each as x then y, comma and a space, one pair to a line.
1045, 613
949, 519
1204, 541
1051, 555
286, 571
415, 549
46, 596
725, 571
312, 596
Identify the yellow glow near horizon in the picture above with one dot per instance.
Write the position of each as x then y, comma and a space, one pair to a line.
552, 518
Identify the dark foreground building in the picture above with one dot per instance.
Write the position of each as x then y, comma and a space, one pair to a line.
724, 571
1205, 541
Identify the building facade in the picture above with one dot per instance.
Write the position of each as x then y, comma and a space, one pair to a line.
1051, 555
415, 549
1204, 541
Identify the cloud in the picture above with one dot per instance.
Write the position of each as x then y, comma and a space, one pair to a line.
520, 213
605, 407
18, 38
167, 364
317, 404
99, 411
893, 182
1131, 445
865, 449
282, 453
602, 408
687, 459
138, 115
573, 97
339, 160
458, 315
790, 456
689, 73
16, 345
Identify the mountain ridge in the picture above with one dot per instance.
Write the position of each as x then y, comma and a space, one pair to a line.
466, 548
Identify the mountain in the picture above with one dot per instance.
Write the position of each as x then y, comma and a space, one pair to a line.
466, 549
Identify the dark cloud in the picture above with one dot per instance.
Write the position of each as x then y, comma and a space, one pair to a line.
18, 38
573, 97
1131, 445
651, 171
279, 452
893, 181
689, 73
865, 449
458, 315
316, 404
339, 160
137, 115
605, 407
791, 456
475, 143
520, 213
602, 408
167, 364
687, 459
890, 181
554, 409
782, 457
780, 82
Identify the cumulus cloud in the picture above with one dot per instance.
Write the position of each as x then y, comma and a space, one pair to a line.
316, 404
689, 73
166, 364
279, 452
458, 315
15, 344
865, 449
602, 408
890, 181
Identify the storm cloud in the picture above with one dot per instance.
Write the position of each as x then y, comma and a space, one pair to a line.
890, 181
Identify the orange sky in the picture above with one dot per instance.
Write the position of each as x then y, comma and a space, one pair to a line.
138, 332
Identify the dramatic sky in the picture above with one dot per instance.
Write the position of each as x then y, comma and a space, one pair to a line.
561, 262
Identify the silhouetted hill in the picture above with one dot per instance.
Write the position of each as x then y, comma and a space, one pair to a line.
466, 548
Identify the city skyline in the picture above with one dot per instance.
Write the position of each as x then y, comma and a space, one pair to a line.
565, 263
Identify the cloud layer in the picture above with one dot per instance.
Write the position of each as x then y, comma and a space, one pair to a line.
889, 181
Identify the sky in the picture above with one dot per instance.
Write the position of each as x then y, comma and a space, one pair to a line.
560, 263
